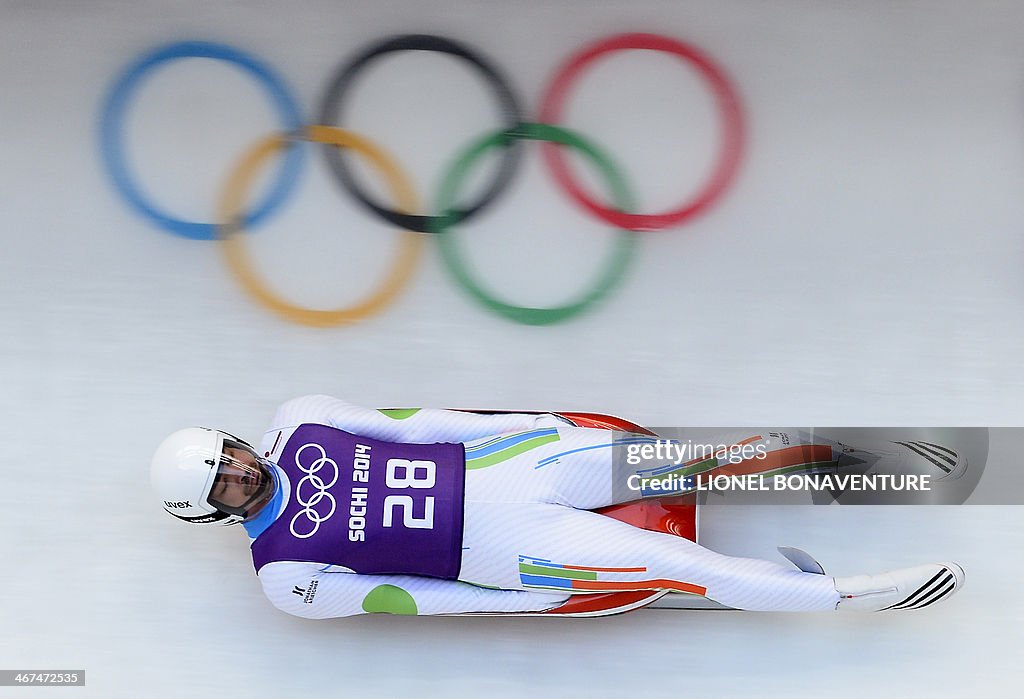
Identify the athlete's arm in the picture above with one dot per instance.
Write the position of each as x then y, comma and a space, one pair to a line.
410, 424
306, 590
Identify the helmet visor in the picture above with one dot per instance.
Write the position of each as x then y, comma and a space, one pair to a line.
243, 482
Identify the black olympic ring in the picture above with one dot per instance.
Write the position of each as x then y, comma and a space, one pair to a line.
332, 110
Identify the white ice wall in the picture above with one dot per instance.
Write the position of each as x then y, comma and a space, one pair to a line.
863, 269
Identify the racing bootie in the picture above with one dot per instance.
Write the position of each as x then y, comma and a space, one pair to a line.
906, 588
909, 457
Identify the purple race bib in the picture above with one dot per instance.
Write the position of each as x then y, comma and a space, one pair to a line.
372, 506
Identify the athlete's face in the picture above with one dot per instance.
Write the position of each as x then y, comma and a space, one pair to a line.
239, 479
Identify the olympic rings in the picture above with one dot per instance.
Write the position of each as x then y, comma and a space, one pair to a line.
112, 126
332, 108
449, 211
239, 182
321, 491
728, 104
613, 269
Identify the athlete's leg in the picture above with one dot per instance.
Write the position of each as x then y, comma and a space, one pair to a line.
530, 546
520, 519
589, 468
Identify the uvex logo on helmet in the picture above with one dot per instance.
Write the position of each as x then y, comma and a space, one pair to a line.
177, 505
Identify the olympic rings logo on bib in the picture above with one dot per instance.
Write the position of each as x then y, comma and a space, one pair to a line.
309, 511
405, 212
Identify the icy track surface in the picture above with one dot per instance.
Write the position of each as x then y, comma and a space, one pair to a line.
863, 269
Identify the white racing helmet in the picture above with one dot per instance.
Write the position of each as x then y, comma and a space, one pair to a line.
191, 468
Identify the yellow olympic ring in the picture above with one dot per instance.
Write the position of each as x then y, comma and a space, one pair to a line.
230, 228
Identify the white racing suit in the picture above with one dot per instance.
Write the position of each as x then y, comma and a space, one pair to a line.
529, 540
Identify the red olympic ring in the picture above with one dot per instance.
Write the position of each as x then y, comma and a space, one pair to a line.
730, 112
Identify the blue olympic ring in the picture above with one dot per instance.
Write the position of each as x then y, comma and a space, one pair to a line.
115, 107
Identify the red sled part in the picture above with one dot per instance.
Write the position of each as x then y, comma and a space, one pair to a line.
676, 515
